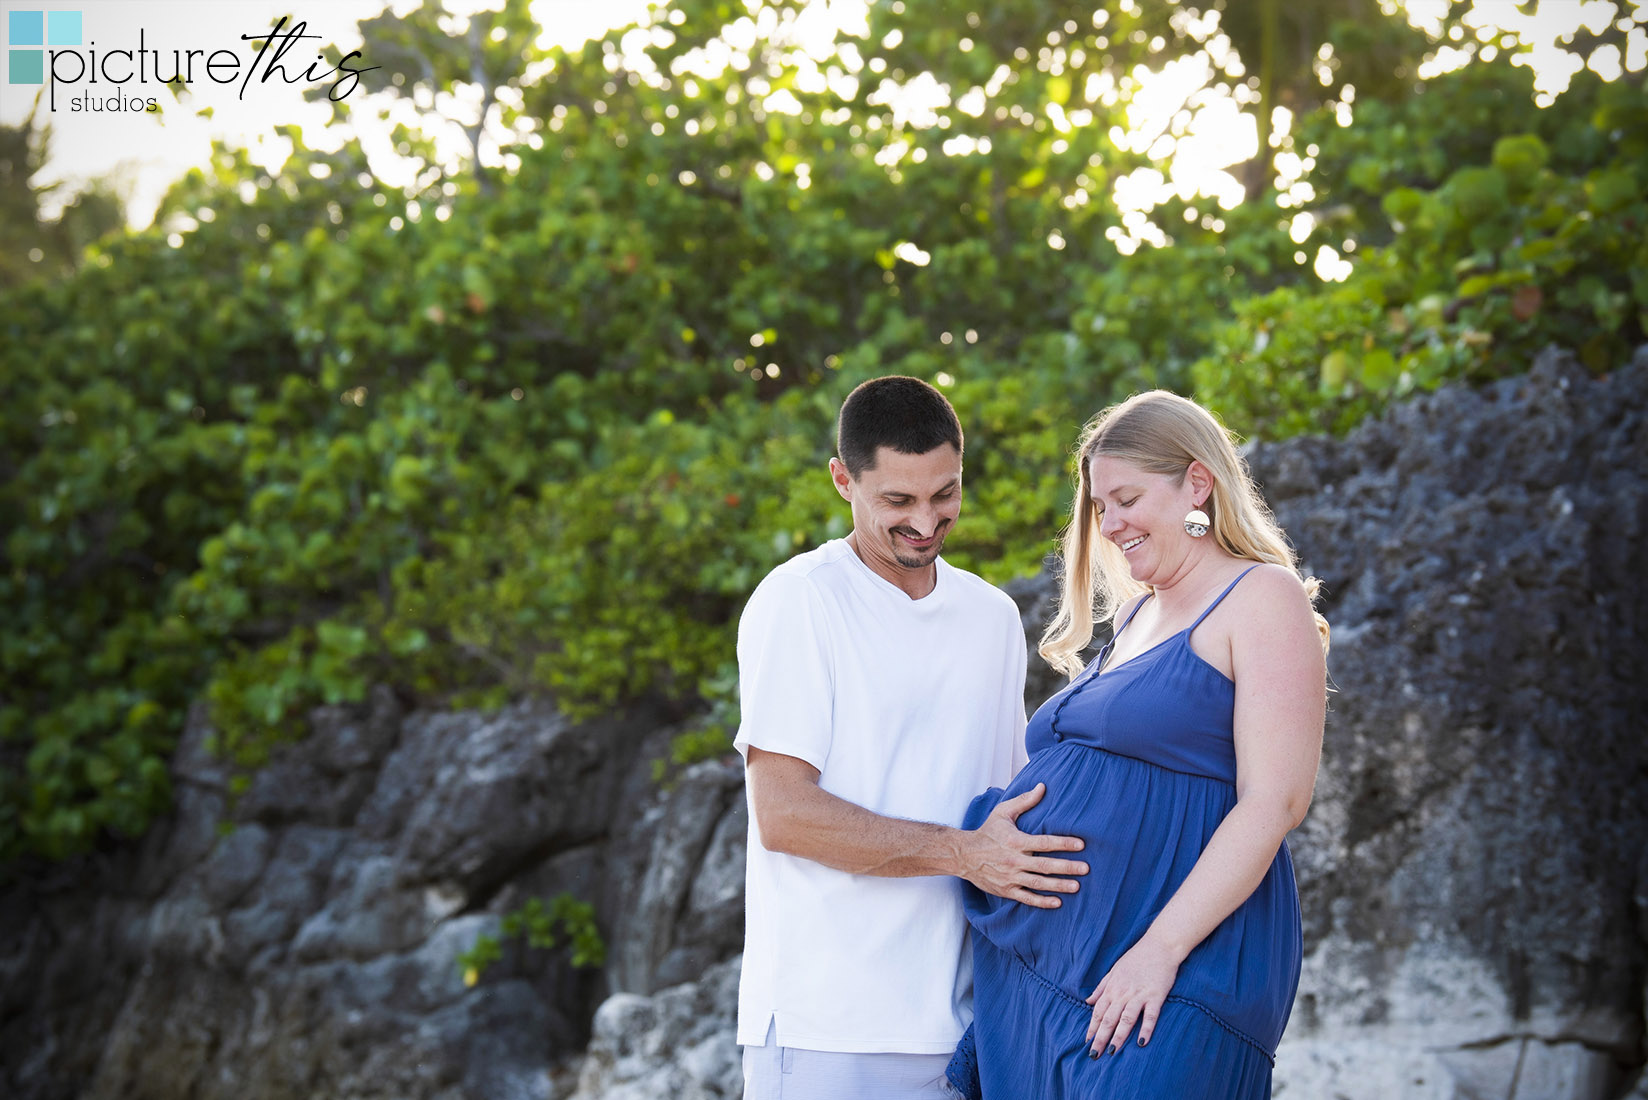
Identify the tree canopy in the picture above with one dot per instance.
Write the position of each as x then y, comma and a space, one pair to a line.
539, 421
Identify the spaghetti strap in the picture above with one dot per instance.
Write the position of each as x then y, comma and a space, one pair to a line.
1097, 667
1136, 608
1221, 597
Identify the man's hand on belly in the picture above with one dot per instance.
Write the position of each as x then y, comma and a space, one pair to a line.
999, 859
796, 817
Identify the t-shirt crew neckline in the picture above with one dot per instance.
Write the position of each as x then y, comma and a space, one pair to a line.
931, 599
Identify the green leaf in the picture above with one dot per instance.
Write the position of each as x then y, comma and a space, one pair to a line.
1379, 370
1520, 155
1335, 367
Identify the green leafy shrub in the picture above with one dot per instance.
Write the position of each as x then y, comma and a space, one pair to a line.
542, 428
1540, 241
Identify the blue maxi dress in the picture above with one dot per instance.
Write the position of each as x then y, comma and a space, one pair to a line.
1139, 762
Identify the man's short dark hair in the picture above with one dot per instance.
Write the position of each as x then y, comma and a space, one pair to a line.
903, 413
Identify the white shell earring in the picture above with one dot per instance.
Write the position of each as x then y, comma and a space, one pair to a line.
1196, 523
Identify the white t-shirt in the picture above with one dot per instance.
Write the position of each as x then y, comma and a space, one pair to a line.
909, 708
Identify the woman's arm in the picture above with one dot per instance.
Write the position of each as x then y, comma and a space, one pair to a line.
1281, 702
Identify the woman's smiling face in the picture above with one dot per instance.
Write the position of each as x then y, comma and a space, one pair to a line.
1143, 514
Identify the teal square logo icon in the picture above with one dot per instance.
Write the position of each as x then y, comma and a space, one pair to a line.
63, 28
27, 28
37, 28
26, 67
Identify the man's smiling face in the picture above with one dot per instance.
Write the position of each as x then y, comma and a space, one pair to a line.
903, 507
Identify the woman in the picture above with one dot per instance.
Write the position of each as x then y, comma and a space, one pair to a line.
1182, 755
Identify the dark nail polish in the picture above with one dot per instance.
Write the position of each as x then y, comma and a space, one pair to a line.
1092, 1054
1141, 1040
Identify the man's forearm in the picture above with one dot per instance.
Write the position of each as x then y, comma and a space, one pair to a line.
795, 816
805, 821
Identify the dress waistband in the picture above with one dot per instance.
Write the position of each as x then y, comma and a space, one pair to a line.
1221, 780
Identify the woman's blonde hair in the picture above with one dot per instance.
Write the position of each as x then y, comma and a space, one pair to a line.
1161, 433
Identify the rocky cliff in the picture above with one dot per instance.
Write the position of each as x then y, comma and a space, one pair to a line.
1473, 871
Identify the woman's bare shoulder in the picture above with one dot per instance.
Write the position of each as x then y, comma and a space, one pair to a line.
1270, 605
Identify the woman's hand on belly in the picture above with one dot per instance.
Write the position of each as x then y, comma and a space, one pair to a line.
1133, 992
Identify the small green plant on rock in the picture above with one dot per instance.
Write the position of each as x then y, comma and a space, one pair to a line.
538, 921
709, 737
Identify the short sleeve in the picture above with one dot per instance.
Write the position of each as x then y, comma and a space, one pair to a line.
785, 675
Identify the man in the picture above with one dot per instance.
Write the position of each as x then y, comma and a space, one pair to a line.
882, 689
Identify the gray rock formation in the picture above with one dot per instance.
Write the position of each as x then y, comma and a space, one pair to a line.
1474, 874
314, 946
685, 909
1471, 866
677, 1044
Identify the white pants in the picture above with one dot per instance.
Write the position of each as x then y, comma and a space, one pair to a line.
773, 1072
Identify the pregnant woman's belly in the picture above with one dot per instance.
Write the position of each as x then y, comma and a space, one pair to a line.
1144, 827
